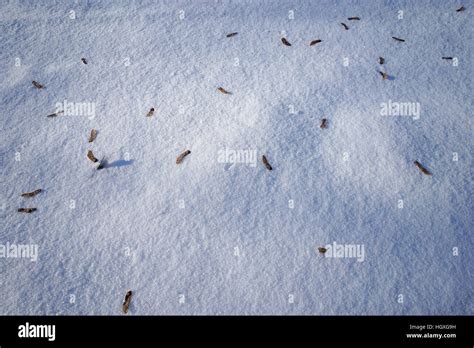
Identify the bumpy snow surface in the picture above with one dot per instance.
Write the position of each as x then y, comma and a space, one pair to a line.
210, 236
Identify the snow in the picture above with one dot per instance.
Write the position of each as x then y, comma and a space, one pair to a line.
205, 237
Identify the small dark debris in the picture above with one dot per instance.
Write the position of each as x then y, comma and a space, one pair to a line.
285, 41
324, 123
398, 39
37, 85
31, 194
322, 250
265, 162
26, 210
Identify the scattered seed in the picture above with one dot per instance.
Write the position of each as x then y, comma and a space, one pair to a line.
91, 156
398, 39
265, 162
223, 91
231, 34
181, 156
324, 123
314, 42
31, 194
322, 250
92, 136
126, 302
55, 114
151, 112
422, 168
26, 210
345, 26
285, 41
37, 85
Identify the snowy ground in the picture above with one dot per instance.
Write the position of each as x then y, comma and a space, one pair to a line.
206, 237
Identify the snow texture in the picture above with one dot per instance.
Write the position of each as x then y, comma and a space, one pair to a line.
205, 237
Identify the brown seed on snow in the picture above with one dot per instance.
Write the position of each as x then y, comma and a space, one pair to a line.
31, 194
265, 162
92, 136
223, 91
345, 26
422, 169
91, 156
324, 123
314, 42
231, 34
398, 39
181, 156
285, 41
37, 85
322, 250
55, 114
26, 210
126, 302
151, 112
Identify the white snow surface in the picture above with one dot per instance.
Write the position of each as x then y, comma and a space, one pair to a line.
204, 237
